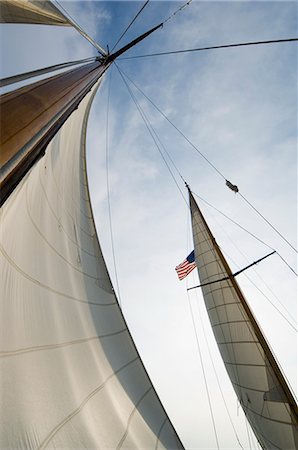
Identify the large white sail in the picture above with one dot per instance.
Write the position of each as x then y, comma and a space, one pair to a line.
70, 374
31, 11
254, 373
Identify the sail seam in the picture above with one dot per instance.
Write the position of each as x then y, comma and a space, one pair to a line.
203, 232
268, 418
49, 288
4, 354
130, 418
67, 419
246, 364
159, 433
84, 185
51, 208
222, 305
237, 342
219, 324
260, 391
51, 246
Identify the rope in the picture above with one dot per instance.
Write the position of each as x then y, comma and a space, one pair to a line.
174, 126
247, 231
177, 11
269, 223
258, 275
203, 371
133, 20
208, 161
200, 49
108, 190
267, 298
216, 376
152, 132
82, 32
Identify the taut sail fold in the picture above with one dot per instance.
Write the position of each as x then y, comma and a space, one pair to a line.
257, 380
71, 376
31, 12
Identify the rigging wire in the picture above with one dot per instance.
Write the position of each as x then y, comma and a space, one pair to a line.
267, 221
130, 24
156, 107
177, 11
203, 371
108, 189
205, 337
174, 126
252, 282
215, 373
247, 231
271, 303
81, 31
209, 162
242, 44
152, 132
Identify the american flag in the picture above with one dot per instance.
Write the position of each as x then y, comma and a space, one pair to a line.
186, 266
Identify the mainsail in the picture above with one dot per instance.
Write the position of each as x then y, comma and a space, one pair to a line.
71, 376
257, 380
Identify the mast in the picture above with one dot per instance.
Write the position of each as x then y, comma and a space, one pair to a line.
254, 372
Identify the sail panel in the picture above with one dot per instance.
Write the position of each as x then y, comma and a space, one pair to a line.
261, 389
71, 376
31, 12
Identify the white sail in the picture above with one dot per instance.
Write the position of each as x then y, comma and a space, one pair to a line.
70, 374
31, 11
256, 378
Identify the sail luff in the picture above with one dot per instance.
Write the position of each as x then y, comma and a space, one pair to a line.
243, 345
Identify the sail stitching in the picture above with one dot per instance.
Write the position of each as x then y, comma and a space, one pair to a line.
50, 245
49, 288
159, 433
131, 417
21, 351
271, 375
268, 418
59, 222
60, 425
83, 185
205, 233
67, 210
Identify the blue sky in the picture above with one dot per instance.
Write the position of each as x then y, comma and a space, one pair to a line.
239, 107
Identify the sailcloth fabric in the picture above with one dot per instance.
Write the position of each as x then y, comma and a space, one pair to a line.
258, 383
71, 376
31, 11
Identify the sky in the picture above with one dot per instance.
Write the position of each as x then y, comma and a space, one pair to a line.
239, 108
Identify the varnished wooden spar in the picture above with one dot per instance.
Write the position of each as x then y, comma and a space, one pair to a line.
30, 117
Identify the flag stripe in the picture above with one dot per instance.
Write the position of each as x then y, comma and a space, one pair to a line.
186, 266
